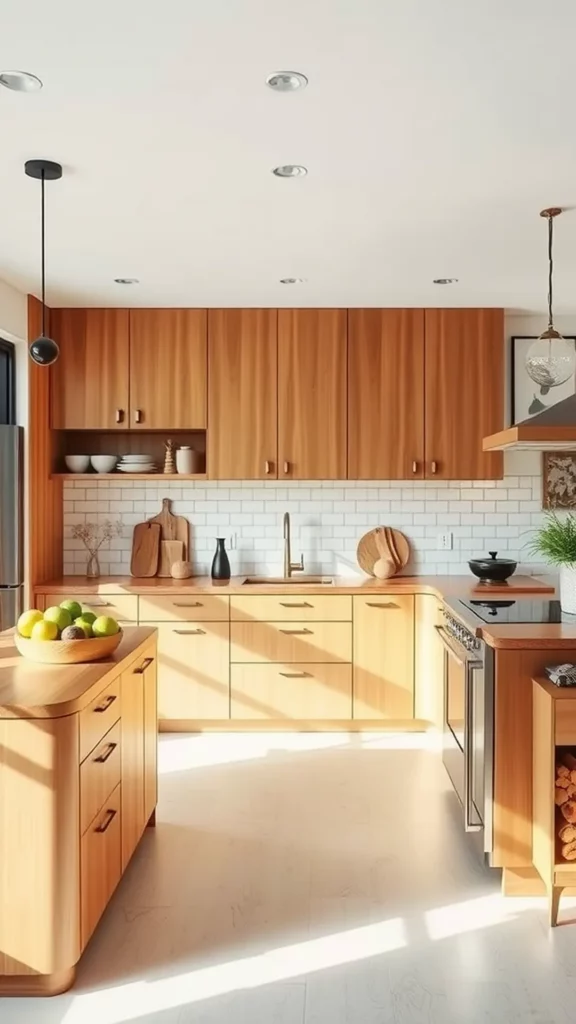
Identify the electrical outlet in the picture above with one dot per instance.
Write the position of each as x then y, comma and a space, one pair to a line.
233, 542
444, 542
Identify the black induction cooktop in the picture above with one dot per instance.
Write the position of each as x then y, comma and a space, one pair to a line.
506, 610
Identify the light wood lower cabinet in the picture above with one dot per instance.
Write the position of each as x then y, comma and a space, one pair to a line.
122, 607
194, 670
291, 692
100, 773
133, 820
101, 862
384, 657
290, 642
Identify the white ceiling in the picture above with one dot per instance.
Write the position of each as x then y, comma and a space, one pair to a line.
434, 131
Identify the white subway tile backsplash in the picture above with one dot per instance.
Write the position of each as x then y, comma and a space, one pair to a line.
328, 519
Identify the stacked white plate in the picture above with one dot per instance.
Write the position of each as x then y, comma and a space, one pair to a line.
137, 464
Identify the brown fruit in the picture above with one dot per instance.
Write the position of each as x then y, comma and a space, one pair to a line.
73, 633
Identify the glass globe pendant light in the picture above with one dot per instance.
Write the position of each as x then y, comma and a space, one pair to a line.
551, 360
43, 351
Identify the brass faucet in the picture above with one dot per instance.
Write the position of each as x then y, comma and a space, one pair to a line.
289, 565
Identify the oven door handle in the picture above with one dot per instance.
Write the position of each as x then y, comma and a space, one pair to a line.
469, 824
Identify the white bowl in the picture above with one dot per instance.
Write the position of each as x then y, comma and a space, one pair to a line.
104, 463
77, 463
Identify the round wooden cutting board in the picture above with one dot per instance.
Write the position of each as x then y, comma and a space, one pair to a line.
383, 542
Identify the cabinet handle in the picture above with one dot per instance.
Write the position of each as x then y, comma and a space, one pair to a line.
381, 604
187, 604
105, 703
414, 466
295, 604
434, 466
286, 467
267, 466
189, 632
294, 675
295, 632
110, 815
119, 415
145, 664
137, 415
110, 748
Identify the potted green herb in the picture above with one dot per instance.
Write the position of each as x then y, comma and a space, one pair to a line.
556, 541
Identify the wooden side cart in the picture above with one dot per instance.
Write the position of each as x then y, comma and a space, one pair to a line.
554, 789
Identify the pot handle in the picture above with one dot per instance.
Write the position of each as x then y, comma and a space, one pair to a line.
493, 554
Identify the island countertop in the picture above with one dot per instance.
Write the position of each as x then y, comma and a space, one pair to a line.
30, 690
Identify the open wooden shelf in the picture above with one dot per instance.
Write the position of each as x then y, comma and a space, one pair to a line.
129, 476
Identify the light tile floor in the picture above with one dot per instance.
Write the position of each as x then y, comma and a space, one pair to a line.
312, 879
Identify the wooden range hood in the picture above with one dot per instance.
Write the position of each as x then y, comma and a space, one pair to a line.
551, 430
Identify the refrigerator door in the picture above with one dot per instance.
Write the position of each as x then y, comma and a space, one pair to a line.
10, 606
11, 506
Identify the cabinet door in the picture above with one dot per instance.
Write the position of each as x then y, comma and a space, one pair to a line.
385, 394
243, 394
194, 670
312, 394
384, 657
89, 381
280, 692
133, 819
100, 863
168, 380
464, 401
150, 734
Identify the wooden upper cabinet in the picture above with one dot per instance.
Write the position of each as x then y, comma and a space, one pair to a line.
242, 394
89, 381
464, 397
385, 394
312, 409
168, 375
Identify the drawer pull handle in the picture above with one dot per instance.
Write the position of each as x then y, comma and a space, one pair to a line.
188, 604
296, 604
105, 703
110, 748
189, 632
381, 604
433, 466
137, 415
295, 675
119, 415
295, 632
414, 466
101, 604
267, 466
286, 467
110, 815
145, 664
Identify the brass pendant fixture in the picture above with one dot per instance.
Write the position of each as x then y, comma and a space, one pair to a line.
44, 351
550, 360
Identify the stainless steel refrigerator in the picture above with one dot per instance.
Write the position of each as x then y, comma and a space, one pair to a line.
11, 524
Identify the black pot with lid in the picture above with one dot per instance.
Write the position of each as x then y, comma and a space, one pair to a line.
493, 569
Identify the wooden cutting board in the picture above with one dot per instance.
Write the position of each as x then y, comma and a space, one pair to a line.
145, 550
383, 542
170, 552
173, 527
515, 585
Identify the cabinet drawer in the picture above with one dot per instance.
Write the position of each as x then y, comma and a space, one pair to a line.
194, 670
187, 608
384, 656
306, 691
99, 776
294, 642
122, 607
99, 717
100, 863
565, 727
291, 608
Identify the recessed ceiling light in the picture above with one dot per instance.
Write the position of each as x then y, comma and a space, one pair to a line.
445, 280
290, 171
286, 81
126, 280
292, 280
20, 81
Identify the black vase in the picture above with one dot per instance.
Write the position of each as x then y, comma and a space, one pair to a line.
220, 563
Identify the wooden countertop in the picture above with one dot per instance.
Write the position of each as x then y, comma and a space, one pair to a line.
28, 690
529, 635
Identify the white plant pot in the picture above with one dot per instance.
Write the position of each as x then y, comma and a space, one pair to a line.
568, 588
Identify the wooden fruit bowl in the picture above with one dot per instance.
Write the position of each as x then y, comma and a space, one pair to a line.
68, 652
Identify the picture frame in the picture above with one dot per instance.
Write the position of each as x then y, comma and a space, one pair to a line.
558, 480
527, 398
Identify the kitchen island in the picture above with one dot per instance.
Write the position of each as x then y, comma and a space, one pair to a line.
78, 785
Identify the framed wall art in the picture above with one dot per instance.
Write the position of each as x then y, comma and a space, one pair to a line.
529, 398
558, 480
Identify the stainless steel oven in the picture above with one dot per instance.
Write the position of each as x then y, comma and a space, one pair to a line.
467, 748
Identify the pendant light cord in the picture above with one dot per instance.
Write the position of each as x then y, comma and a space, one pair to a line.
550, 268
43, 265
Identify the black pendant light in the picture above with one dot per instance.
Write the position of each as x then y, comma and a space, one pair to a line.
44, 350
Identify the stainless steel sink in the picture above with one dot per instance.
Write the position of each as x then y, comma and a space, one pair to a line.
300, 581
